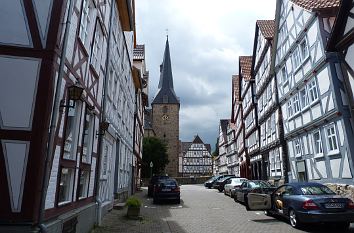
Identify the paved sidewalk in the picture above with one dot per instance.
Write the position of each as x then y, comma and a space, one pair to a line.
152, 219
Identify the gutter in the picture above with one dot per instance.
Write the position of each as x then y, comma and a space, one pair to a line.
54, 119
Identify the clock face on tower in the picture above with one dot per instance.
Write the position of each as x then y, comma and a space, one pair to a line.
164, 117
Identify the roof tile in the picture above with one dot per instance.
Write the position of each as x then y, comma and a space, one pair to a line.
246, 66
267, 28
317, 5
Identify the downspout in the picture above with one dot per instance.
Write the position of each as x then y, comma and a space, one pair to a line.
103, 116
54, 119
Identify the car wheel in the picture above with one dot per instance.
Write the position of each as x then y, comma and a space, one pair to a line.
220, 190
231, 195
235, 198
225, 192
293, 219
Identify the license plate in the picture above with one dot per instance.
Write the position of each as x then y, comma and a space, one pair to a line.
334, 205
165, 190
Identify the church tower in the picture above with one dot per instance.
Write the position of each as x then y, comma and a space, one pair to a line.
165, 113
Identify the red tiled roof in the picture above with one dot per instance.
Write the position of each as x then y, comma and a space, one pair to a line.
139, 52
236, 87
246, 66
317, 5
267, 28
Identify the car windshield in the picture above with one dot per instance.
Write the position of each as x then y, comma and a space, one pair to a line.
259, 184
316, 190
167, 182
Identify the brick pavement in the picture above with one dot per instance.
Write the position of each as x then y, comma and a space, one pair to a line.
201, 210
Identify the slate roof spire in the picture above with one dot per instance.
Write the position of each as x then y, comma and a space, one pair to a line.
166, 93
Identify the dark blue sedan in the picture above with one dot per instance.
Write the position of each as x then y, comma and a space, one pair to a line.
305, 203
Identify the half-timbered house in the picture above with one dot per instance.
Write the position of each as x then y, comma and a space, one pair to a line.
311, 93
231, 151
342, 42
195, 158
50, 148
269, 163
141, 78
235, 97
222, 140
249, 115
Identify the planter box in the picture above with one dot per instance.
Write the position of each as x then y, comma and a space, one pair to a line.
133, 212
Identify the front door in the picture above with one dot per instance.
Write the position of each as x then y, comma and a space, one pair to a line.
259, 201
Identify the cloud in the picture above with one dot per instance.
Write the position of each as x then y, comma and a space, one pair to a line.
206, 38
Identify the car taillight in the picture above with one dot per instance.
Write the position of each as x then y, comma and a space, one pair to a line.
176, 189
309, 205
350, 204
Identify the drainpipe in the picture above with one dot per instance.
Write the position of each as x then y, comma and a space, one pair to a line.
54, 119
103, 116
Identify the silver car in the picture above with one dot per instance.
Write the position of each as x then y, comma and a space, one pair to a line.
231, 184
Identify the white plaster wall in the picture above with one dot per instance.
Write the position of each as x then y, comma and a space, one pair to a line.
52, 186
17, 32
18, 112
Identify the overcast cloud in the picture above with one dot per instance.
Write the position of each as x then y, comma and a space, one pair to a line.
206, 38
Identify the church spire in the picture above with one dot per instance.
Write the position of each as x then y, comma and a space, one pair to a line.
166, 93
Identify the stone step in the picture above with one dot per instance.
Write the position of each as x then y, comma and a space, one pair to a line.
119, 206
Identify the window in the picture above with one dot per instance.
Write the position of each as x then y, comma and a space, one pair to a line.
304, 98
296, 58
304, 49
290, 109
70, 136
66, 185
332, 139
83, 184
296, 104
297, 143
317, 142
87, 137
312, 91
97, 48
85, 21
284, 76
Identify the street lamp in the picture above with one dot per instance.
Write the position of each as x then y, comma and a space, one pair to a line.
151, 165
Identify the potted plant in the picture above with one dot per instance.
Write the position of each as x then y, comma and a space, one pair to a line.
134, 205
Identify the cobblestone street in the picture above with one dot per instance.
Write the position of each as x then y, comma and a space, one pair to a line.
201, 210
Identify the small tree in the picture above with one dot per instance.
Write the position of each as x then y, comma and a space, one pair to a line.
155, 151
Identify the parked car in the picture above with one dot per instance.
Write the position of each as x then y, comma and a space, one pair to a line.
152, 182
209, 183
215, 185
167, 189
219, 184
232, 184
252, 186
305, 203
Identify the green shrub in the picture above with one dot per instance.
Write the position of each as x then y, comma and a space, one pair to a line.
133, 202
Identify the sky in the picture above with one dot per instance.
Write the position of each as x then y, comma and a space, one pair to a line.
206, 38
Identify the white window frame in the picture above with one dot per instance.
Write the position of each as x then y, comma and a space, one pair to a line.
305, 55
296, 58
296, 104
332, 139
312, 91
297, 147
304, 98
284, 76
317, 144
289, 108
69, 191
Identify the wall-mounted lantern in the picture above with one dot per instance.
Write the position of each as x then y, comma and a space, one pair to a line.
74, 94
104, 125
